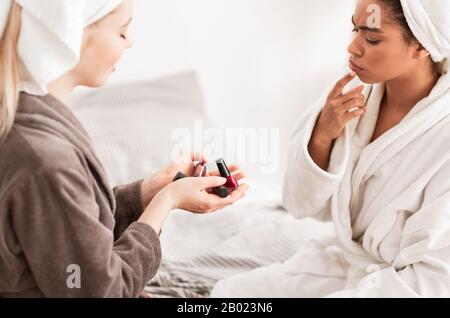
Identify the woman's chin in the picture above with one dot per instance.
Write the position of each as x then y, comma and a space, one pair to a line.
367, 79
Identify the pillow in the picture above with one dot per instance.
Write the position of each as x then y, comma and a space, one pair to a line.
132, 125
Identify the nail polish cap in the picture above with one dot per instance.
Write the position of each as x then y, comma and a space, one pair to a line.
223, 169
180, 175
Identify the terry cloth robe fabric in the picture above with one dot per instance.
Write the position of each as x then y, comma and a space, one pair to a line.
59, 217
389, 201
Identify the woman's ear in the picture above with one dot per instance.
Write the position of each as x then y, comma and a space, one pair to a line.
420, 52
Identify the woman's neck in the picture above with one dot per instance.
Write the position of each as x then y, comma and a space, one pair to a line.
62, 87
404, 92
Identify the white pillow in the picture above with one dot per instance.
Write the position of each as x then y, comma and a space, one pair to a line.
131, 125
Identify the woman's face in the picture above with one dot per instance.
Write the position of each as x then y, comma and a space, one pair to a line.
378, 51
103, 46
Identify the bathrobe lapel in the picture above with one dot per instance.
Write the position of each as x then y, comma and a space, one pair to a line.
422, 117
365, 158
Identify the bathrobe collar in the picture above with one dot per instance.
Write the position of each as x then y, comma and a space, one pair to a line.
372, 156
422, 117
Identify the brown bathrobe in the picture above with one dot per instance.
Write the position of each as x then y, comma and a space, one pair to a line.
59, 216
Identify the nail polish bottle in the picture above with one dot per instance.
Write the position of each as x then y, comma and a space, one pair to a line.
221, 191
224, 172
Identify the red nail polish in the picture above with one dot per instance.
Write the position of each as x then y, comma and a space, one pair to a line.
224, 172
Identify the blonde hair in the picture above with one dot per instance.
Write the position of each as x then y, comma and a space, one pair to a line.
9, 70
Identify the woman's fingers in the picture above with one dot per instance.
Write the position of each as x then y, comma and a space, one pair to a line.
190, 157
210, 182
351, 104
185, 162
239, 192
217, 202
350, 95
353, 108
198, 156
357, 89
355, 114
234, 170
238, 175
339, 87
214, 173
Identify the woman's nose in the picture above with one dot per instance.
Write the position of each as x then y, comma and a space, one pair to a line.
354, 48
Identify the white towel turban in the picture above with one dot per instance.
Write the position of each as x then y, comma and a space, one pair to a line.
429, 21
51, 36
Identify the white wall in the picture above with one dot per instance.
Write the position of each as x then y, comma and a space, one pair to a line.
261, 62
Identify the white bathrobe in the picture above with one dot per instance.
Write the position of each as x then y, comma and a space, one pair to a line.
389, 201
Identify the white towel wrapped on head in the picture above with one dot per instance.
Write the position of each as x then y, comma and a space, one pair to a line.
51, 36
429, 21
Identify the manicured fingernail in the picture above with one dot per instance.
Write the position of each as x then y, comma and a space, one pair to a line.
352, 74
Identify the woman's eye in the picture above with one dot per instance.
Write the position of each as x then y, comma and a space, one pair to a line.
123, 36
372, 42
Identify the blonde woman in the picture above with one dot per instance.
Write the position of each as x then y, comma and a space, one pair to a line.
58, 215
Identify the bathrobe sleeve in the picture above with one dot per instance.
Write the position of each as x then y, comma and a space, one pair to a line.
61, 234
128, 206
422, 268
307, 188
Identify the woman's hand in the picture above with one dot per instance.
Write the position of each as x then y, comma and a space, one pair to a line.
335, 115
195, 195
152, 185
191, 194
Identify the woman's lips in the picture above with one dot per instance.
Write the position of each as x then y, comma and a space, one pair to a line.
355, 67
